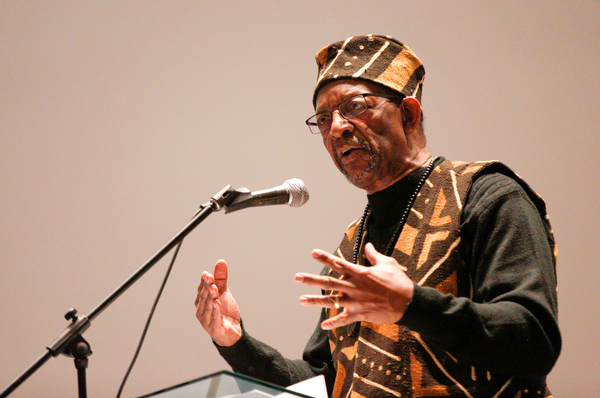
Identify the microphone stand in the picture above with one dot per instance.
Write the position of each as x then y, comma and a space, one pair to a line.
70, 343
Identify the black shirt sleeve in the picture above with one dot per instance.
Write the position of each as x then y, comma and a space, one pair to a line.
510, 326
256, 359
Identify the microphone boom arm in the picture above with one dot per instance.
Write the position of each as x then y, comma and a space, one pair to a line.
71, 343
73, 332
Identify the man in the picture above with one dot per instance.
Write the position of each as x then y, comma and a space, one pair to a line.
445, 287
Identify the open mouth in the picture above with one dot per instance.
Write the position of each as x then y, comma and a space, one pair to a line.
349, 151
350, 155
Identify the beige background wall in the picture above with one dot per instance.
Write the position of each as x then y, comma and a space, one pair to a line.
117, 119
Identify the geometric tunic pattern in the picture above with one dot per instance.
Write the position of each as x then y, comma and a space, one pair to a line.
389, 360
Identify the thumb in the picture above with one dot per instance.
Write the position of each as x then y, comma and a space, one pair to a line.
372, 254
221, 273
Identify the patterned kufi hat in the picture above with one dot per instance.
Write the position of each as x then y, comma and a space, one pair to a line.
380, 59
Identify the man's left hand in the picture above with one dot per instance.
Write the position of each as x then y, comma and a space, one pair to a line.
379, 294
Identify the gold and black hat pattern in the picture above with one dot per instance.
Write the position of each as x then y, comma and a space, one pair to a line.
381, 59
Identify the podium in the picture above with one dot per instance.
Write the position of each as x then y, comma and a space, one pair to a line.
225, 384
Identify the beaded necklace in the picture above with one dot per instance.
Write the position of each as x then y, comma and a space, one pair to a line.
390, 247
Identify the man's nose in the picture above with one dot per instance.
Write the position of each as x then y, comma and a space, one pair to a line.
339, 125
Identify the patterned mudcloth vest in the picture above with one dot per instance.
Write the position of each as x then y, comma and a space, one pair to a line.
388, 360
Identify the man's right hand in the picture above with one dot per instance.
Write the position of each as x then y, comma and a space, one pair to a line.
216, 309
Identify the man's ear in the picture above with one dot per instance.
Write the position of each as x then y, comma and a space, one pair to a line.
412, 114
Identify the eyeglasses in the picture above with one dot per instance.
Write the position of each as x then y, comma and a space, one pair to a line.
349, 108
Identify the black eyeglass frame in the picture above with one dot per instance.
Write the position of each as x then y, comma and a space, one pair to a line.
309, 122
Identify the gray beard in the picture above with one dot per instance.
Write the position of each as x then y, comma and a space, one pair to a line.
373, 160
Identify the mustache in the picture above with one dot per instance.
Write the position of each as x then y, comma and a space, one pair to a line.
354, 141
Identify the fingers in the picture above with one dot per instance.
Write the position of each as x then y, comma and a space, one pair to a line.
203, 286
207, 280
343, 318
337, 321
346, 269
324, 282
336, 263
328, 258
338, 301
207, 292
329, 301
214, 316
378, 293
208, 308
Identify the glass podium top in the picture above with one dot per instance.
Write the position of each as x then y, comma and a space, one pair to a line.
224, 384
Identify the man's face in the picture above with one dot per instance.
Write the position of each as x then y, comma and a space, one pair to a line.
370, 149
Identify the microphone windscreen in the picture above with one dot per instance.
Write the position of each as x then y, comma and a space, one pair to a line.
297, 191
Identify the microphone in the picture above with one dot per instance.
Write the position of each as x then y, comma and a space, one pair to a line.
292, 193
